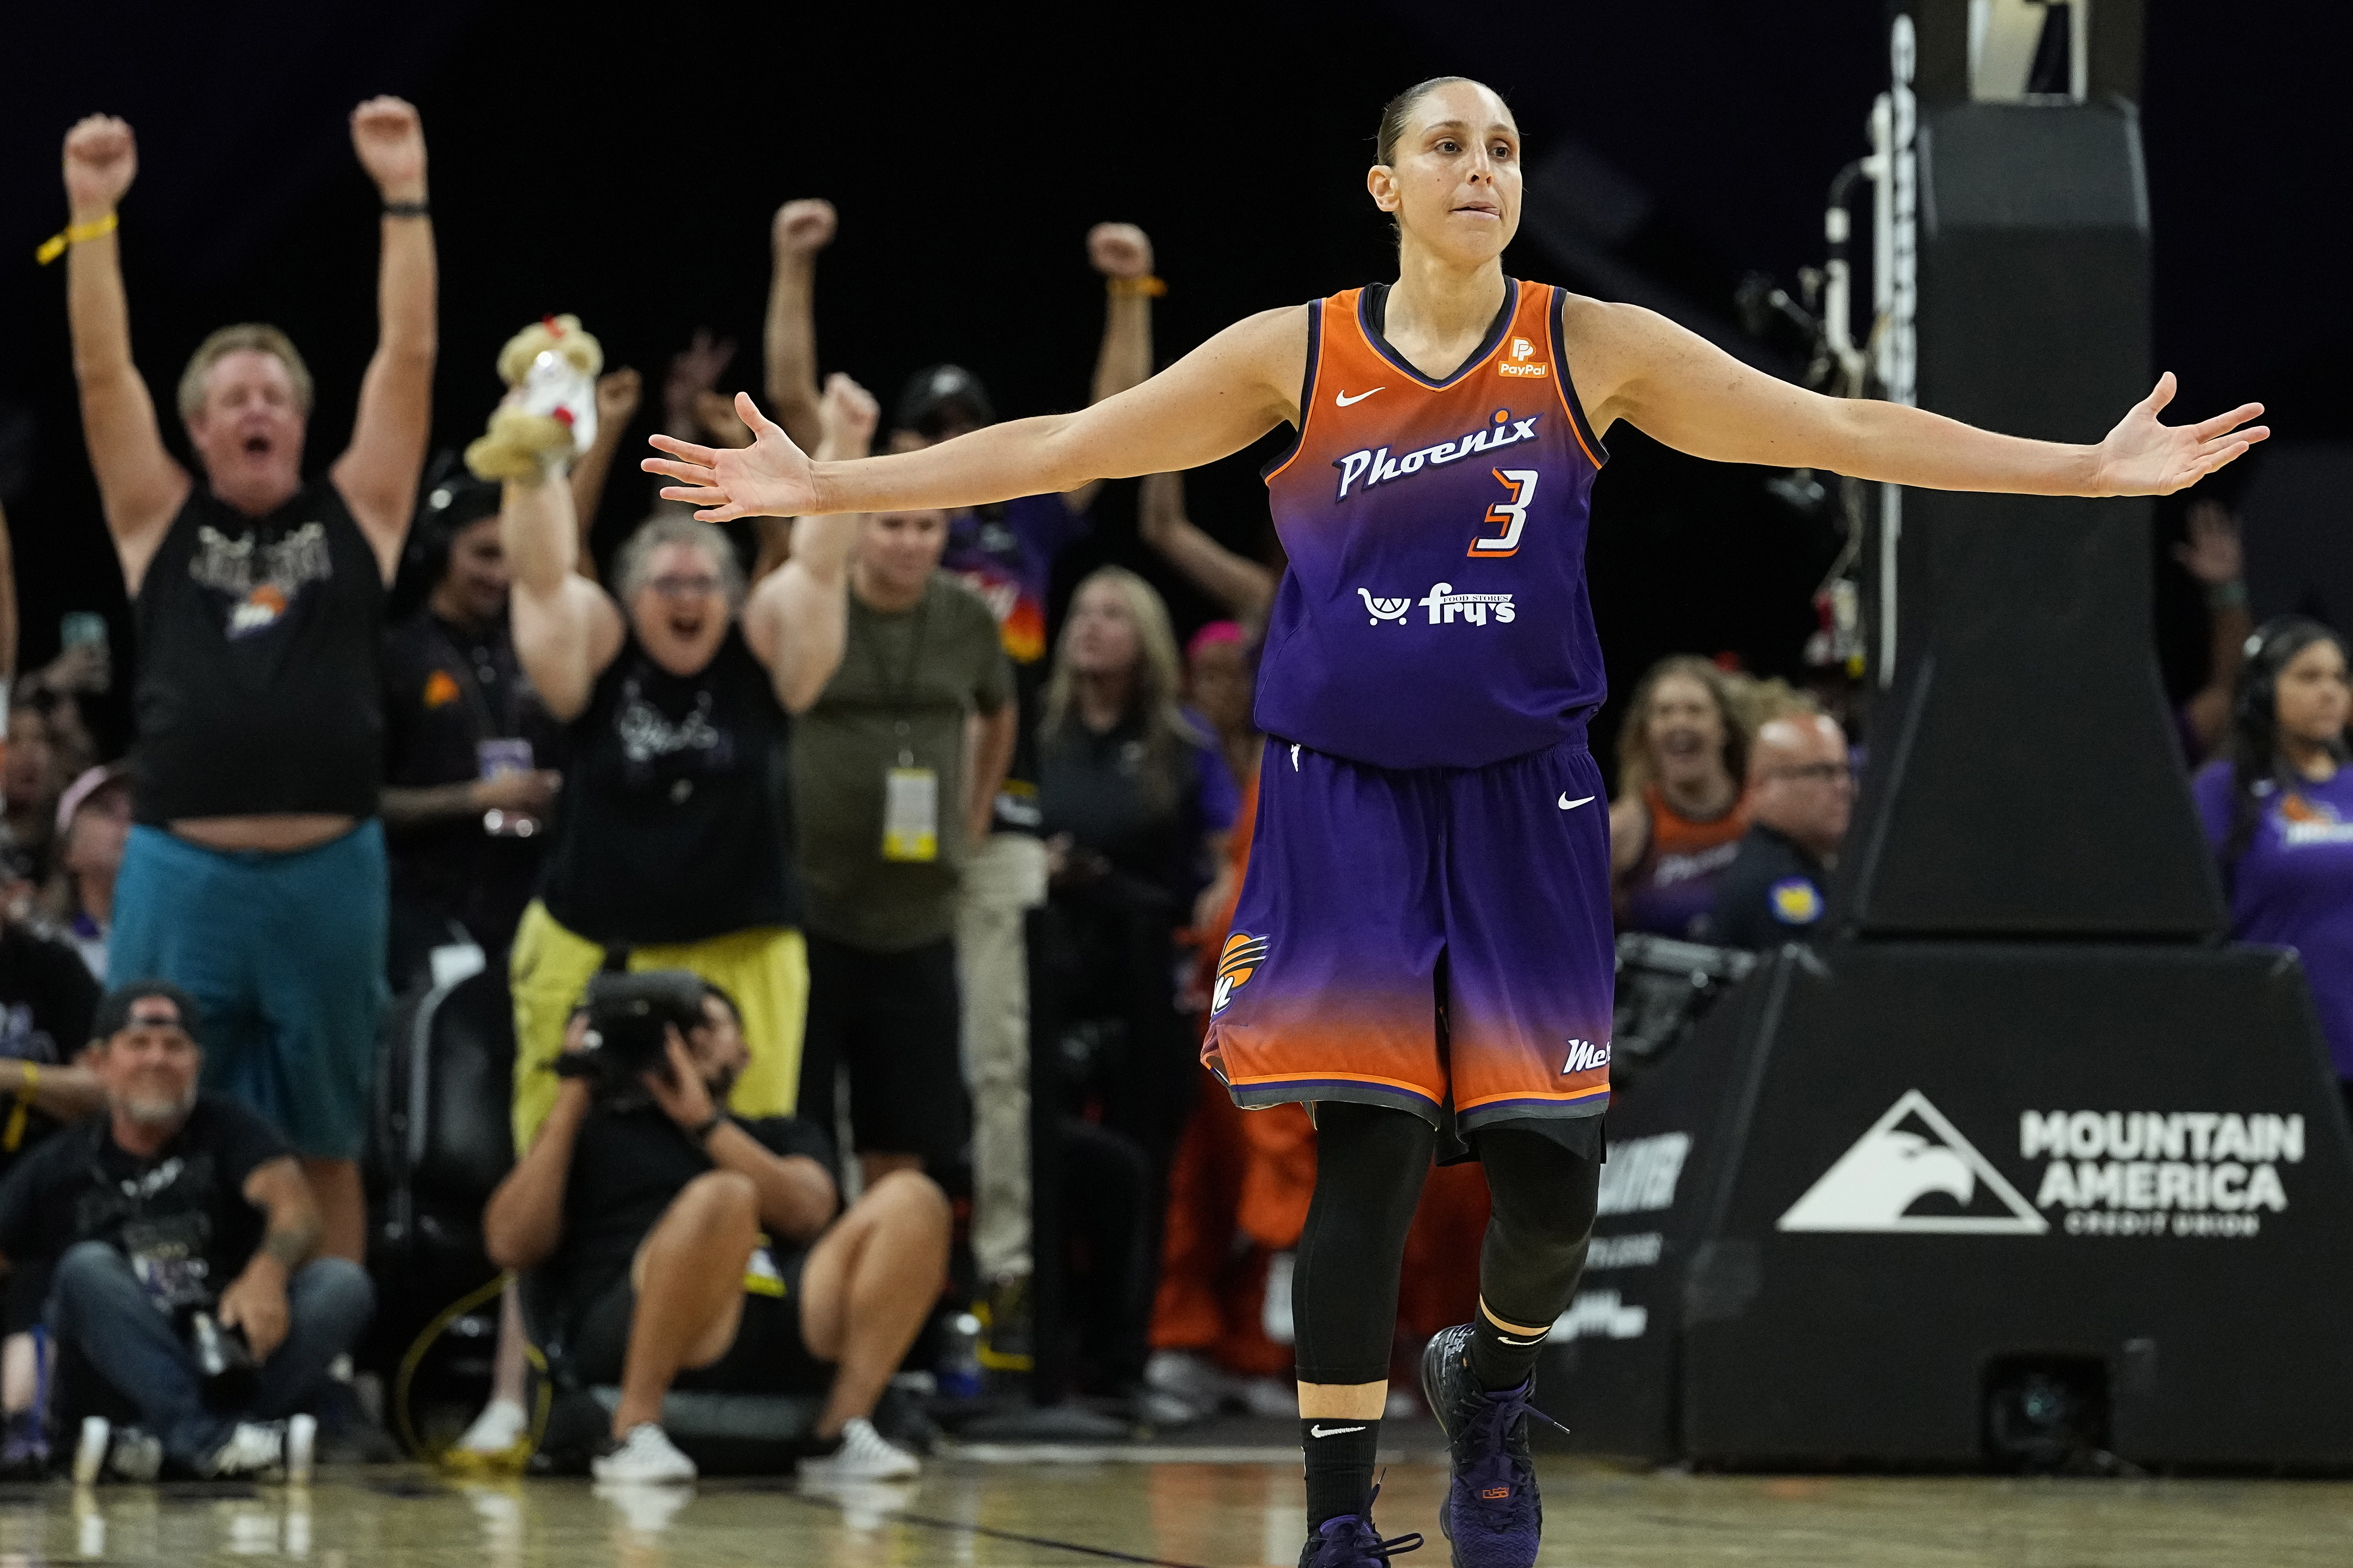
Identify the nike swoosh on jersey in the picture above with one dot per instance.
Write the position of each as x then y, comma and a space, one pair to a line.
1330, 1431
1568, 805
1343, 400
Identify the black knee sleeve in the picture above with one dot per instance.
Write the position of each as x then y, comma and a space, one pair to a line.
1370, 1163
1541, 1223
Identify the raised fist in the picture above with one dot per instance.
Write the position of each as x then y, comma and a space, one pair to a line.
390, 140
617, 397
847, 415
1119, 250
803, 228
102, 160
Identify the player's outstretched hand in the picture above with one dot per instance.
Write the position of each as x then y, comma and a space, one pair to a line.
102, 160
2142, 456
770, 478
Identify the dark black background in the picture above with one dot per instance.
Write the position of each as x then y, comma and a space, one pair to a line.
624, 165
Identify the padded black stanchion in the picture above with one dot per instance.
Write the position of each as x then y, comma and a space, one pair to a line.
1882, 1172
2021, 1165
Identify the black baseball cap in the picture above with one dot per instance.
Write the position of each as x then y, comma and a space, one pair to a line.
941, 395
114, 1009
456, 502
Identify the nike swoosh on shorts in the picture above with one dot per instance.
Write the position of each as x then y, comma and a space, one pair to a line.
1343, 400
1568, 805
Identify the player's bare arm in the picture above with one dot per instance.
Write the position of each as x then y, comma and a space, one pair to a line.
1214, 402
377, 473
1636, 365
139, 486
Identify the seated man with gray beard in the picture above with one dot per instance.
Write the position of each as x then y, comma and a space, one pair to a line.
186, 1275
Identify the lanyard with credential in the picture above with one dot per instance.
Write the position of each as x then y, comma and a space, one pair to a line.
910, 794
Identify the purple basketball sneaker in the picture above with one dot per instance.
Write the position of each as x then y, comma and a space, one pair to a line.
1351, 1541
1492, 1515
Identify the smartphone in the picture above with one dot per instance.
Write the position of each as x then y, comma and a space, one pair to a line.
86, 628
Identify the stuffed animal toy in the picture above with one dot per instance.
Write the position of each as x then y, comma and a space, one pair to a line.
549, 415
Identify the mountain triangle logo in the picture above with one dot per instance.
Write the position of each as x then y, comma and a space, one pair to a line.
1909, 1156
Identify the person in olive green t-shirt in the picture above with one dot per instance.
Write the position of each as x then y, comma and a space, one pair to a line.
895, 770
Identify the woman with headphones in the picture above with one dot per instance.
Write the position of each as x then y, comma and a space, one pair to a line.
2278, 811
470, 756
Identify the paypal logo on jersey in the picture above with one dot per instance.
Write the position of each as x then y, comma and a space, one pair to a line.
1373, 466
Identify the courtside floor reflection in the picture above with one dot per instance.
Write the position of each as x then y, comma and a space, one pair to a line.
1239, 1510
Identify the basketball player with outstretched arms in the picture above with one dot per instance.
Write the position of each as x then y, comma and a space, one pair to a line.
1423, 948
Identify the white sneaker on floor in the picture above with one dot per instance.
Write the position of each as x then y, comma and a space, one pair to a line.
137, 1455
1271, 1397
865, 1455
127, 1453
644, 1455
502, 1424
1192, 1377
253, 1448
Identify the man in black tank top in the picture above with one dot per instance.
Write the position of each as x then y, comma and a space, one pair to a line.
255, 875
679, 689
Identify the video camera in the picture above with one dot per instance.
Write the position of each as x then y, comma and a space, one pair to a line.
629, 1017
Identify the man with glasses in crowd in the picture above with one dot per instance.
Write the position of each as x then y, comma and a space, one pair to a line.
1800, 794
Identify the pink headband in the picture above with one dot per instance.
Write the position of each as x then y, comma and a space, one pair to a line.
1211, 636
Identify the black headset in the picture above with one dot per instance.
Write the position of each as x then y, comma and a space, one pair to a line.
2270, 650
451, 502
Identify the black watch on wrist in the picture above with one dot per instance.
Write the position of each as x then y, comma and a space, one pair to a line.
702, 1134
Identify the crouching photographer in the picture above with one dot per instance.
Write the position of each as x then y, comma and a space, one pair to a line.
186, 1284
682, 1247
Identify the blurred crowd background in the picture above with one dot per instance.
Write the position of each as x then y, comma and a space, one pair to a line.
982, 221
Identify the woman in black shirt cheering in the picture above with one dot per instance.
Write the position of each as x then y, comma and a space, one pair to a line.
679, 689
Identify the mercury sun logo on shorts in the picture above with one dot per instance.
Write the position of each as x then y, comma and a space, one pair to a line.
1240, 960
1587, 1055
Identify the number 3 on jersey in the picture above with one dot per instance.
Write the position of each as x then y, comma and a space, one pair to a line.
1510, 515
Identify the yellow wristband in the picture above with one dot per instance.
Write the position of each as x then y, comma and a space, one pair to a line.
13, 1136
1136, 287
72, 234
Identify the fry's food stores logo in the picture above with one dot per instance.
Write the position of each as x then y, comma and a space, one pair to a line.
2114, 1173
1445, 607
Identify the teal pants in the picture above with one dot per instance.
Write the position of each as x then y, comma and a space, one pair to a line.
284, 954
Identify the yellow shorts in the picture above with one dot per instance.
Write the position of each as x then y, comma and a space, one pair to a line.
765, 969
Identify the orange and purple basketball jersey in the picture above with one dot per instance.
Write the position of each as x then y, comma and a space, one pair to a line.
1435, 611
1425, 919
